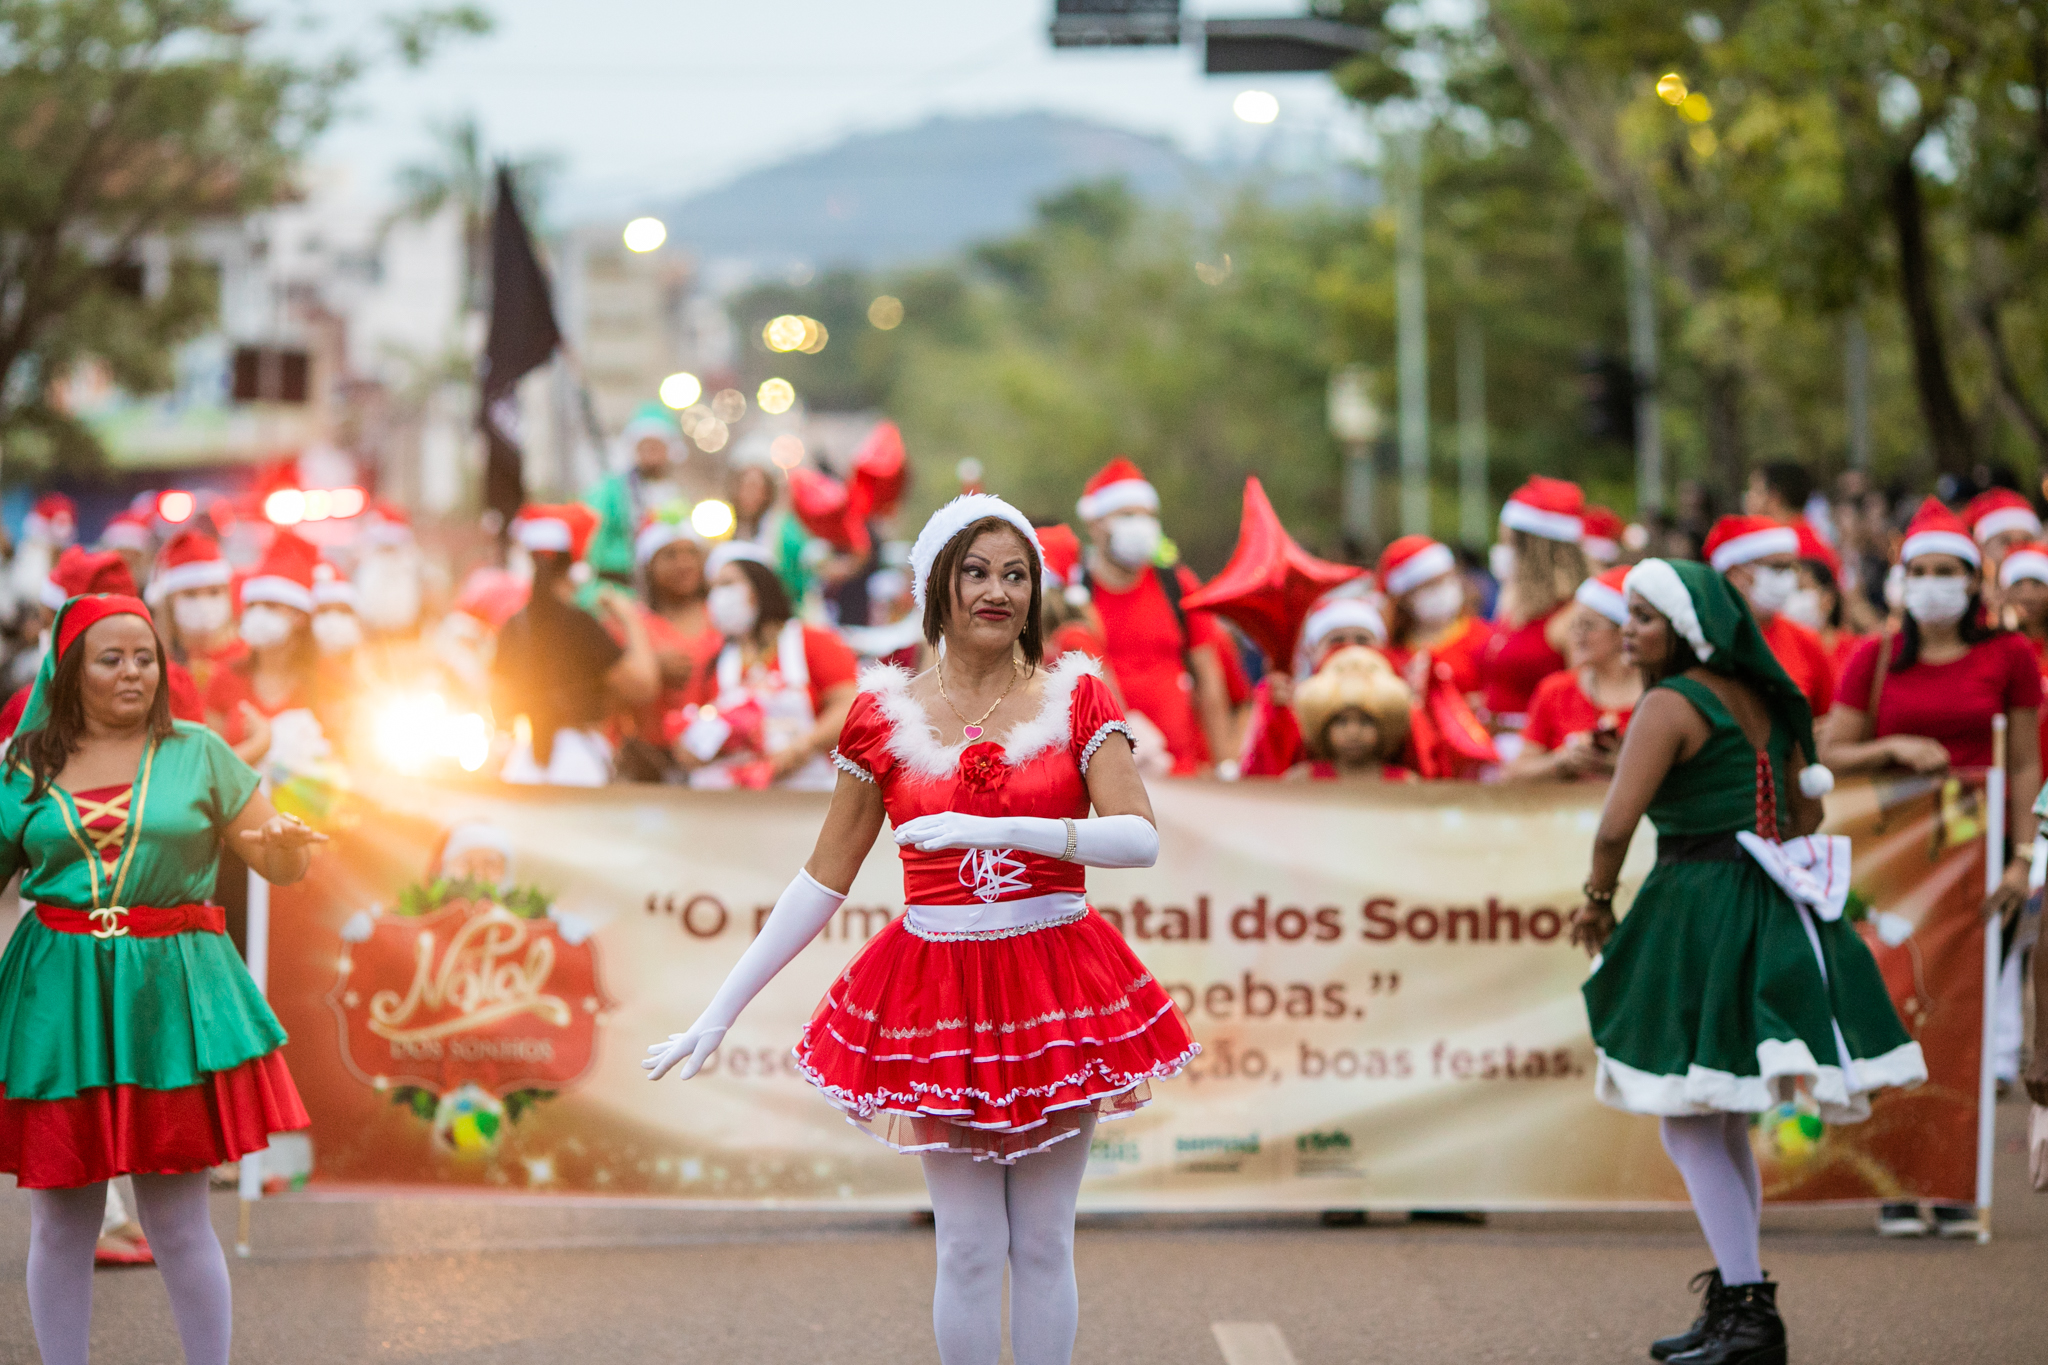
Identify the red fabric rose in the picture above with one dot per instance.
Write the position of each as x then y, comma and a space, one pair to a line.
983, 767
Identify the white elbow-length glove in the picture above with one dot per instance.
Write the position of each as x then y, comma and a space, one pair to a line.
805, 907
1105, 841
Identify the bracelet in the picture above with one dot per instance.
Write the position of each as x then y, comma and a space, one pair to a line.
1604, 899
1073, 841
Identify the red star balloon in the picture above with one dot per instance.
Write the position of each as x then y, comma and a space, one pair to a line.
822, 505
880, 472
1270, 583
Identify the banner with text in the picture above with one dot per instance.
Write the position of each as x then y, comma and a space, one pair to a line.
1379, 977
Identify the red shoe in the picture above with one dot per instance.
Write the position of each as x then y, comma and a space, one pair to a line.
122, 1251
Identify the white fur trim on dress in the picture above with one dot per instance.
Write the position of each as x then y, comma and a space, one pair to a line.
914, 741
949, 521
1743, 549
1843, 1096
1660, 586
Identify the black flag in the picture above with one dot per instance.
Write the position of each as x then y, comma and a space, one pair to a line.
523, 335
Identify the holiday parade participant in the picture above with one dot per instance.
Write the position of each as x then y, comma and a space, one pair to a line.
650, 448
1578, 717
191, 584
1717, 993
128, 534
1173, 664
557, 667
986, 766
50, 526
2000, 521
770, 704
761, 517
132, 1040
1428, 614
1354, 715
1273, 743
1602, 538
1760, 559
1818, 603
279, 674
1540, 565
668, 556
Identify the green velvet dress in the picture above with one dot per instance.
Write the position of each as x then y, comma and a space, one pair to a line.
131, 1054
1716, 992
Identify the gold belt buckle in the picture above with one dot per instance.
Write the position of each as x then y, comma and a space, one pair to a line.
111, 917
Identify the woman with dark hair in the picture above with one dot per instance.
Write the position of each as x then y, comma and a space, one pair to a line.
132, 1040
1718, 994
987, 765
768, 708
555, 665
1924, 701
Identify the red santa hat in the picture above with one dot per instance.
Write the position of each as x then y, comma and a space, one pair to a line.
561, 528
387, 524
1743, 540
1935, 530
53, 519
330, 589
1411, 561
1554, 509
78, 572
1335, 613
190, 559
1060, 551
284, 576
1606, 595
1812, 547
657, 532
2026, 561
1998, 511
126, 531
1604, 528
1118, 486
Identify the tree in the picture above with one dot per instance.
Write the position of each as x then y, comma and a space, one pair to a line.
462, 176
131, 122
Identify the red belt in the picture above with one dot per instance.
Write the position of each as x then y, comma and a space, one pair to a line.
135, 921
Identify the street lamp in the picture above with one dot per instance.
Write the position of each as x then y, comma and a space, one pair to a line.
1356, 422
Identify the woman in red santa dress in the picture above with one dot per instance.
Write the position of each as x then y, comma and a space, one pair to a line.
1540, 565
1577, 717
992, 1026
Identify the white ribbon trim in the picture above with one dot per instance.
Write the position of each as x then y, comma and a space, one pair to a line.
999, 919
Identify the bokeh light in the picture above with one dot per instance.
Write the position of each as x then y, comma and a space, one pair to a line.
681, 389
786, 450
783, 334
176, 506
645, 234
319, 505
1671, 88
1696, 107
728, 405
776, 396
886, 313
710, 434
1256, 106
1704, 143
712, 519
347, 502
285, 507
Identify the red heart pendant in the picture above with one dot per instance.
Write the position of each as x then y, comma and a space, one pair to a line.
973, 732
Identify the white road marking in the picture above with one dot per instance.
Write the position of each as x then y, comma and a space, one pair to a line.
1252, 1343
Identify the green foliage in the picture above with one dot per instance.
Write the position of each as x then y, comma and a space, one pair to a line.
424, 898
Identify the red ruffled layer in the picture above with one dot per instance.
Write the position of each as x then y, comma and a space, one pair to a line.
127, 1130
997, 1040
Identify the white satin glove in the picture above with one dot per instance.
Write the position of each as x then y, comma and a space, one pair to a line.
805, 907
1105, 841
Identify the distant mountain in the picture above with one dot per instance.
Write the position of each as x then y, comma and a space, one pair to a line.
883, 198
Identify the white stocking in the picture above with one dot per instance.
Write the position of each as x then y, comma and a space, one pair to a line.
179, 1226
1712, 1152
985, 1214
63, 1226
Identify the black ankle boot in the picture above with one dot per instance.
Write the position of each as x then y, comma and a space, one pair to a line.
1707, 1284
1747, 1331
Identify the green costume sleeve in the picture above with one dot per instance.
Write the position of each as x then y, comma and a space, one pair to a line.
229, 781
611, 545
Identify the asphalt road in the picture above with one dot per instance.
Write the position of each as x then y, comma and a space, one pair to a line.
336, 1282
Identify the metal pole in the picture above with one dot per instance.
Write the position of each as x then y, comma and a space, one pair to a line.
1642, 348
1412, 343
1856, 383
1994, 873
258, 941
1361, 496
1474, 526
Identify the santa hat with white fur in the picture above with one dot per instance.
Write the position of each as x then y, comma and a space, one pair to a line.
1411, 561
2025, 561
955, 517
1606, 595
1118, 486
1554, 509
1998, 511
1746, 539
284, 577
126, 531
190, 559
563, 529
1934, 530
330, 589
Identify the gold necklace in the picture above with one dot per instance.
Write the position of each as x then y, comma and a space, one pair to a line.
972, 728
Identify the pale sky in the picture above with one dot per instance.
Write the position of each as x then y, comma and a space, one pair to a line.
644, 99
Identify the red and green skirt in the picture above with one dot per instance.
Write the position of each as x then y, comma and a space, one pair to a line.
134, 1056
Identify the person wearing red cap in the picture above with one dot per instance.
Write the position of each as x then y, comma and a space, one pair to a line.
1428, 614
2024, 578
668, 562
191, 585
1071, 621
1602, 541
557, 668
2000, 521
1540, 564
1760, 559
1175, 665
134, 1042
128, 534
1578, 716
1924, 701
1273, 743
278, 674
1818, 603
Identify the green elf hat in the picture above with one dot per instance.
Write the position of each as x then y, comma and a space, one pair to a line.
74, 618
1712, 617
651, 419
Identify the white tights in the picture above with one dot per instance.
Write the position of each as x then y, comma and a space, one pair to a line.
987, 1214
64, 1225
1712, 1152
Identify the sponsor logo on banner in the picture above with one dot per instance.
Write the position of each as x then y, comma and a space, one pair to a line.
1214, 1155
1327, 1153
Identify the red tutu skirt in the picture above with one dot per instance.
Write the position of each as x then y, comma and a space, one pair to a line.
995, 1047
127, 1130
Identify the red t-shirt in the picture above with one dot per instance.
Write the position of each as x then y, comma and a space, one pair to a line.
1952, 703
1144, 644
1561, 709
185, 701
830, 661
1513, 662
1841, 649
1462, 652
1803, 656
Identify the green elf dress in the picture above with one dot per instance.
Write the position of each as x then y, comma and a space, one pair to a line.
132, 1039
1718, 992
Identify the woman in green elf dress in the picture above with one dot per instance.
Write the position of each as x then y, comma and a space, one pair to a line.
132, 1040
1718, 994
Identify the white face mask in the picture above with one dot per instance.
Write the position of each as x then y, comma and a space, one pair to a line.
1771, 589
731, 608
1804, 607
264, 625
1500, 562
1895, 587
1438, 602
336, 632
1133, 541
1937, 601
200, 613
